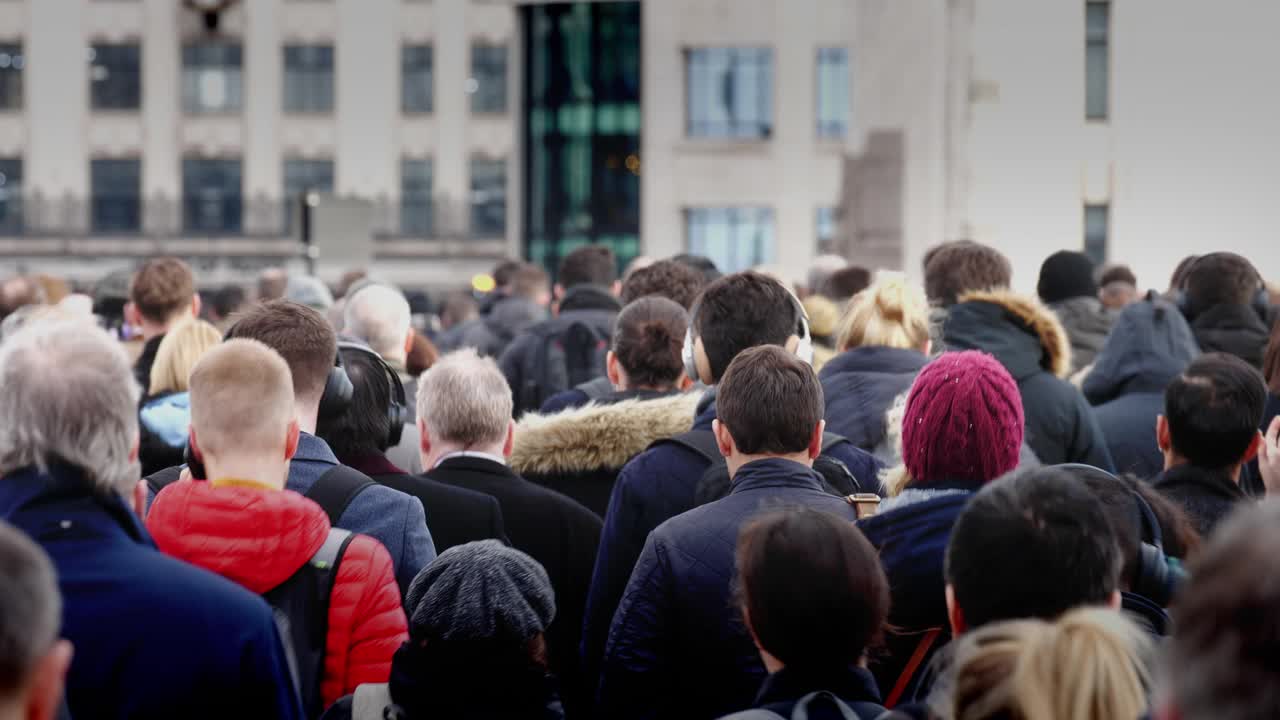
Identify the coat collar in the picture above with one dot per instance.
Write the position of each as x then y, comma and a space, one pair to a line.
589, 297
1213, 482
375, 464
877, 359
476, 465
1023, 334
850, 684
63, 502
313, 449
774, 472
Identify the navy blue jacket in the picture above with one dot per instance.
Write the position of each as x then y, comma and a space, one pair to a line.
1151, 343
154, 637
783, 690
676, 648
911, 533
653, 487
860, 385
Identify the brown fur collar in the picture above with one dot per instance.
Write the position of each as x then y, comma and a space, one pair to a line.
1040, 319
598, 436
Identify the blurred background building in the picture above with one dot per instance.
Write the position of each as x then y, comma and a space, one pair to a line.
434, 136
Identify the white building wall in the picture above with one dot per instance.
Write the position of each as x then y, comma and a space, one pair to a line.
56, 98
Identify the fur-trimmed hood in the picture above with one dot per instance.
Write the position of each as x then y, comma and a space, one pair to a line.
1020, 331
598, 436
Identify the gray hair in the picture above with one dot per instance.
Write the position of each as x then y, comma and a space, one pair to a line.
30, 608
379, 316
69, 395
465, 399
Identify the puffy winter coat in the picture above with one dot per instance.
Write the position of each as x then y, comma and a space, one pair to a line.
259, 537
1029, 341
676, 648
860, 386
1087, 322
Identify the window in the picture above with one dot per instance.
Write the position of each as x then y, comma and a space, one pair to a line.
115, 77
488, 83
10, 196
211, 195
12, 62
308, 78
212, 78
1097, 231
730, 92
825, 223
416, 216
735, 238
302, 176
488, 197
415, 78
1097, 61
116, 190
833, 92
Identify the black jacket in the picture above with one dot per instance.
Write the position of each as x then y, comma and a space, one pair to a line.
1150, 346
1029, 341
490, 335
1232, 329
554, 530
585, 304
860, 385
142, 367
454, 515
854, 686
1207, 496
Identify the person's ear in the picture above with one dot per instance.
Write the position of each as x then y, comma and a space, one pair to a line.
510, 444
702, 362
1255, 446
135, 448
928, 347
815, 440
196, 453
684, 383
424, 440
724, 439
792, 344
613, 370
1116, 600
557, 291
1164, 439
616, 288
131, 314
408, 341
48, 680
291, 439
139, 500
195, 305
955, 615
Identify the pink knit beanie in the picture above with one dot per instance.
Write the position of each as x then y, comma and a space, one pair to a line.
963, 420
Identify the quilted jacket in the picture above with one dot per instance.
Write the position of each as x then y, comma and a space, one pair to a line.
259, 537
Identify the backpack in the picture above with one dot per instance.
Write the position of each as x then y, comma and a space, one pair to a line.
562, 357
715, 484
300, 606
801, 711
373, 702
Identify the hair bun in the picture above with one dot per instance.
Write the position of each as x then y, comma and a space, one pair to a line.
891, 298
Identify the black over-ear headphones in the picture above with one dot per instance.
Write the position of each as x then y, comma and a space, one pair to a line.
397, 408
1261, 302
804, 348
338, 390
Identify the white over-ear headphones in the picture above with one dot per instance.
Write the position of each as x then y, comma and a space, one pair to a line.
804, 348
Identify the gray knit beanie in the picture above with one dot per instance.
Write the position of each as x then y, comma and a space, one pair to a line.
480, 590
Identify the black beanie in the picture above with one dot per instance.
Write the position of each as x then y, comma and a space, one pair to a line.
1065, 275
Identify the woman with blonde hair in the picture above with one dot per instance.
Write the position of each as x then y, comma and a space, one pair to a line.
165, 414
883, 340
1090, 663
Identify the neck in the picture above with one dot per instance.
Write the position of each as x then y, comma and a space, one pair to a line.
308, 412
272, 471
441, 450
737, 460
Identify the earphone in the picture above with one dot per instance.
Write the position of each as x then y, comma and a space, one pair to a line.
338, 390
1261, 302
397, 409
804, 348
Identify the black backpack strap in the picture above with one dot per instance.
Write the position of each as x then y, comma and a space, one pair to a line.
702, 442
335, 490
159, 480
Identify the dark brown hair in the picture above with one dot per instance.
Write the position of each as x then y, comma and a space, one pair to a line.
740, 311
161, 288
529, 281
845, 283
960, 267
302, 336
770, 401
421, 356
667, 278
798, 571
1118, 274
1178, 536
504, 271
1220, 278
589, 265
648, 340
1271, 363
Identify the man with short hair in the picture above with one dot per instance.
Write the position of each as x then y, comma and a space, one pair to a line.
1208, 432
153, 637
1119, 287
734, 313
1221, 663
1033, 544
844, 283
308, 344
521, 305
1225, 300
964, 266
568, 349
466, 434
33, 661
666, 278
161, 294
675, 649
361, 436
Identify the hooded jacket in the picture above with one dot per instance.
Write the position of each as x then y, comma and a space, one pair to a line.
259, 537
1032, 345
1087, 322
860, 386
1232, 329
1150, 346
580, 452
676, 649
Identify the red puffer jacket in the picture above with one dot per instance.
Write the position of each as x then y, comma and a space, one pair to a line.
259, 537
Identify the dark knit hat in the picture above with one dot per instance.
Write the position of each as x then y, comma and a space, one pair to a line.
1066, 274
480, 590
963, 420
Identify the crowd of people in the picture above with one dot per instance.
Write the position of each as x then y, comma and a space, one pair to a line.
658, 493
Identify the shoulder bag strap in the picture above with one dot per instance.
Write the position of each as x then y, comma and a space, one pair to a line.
917, 657
335, 490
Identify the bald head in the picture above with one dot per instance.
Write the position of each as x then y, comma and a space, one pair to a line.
379, 316
241, 403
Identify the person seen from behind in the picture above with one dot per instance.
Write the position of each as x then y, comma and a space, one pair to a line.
1067, 285
1225, 299
162, 294
166, 405
33, 660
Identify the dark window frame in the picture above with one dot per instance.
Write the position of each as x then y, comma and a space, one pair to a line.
417, 68
232, 67
120, 90
752, 62
309, 82
836, 128
115, 202
482, 96
231, 210
1097, 82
